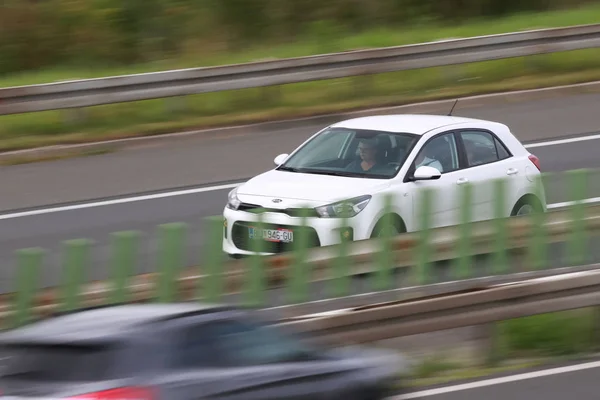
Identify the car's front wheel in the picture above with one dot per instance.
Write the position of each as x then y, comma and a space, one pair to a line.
394, 229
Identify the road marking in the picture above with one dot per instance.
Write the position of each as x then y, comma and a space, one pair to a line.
571, 203
205, 189
496, 381
563, 141
117, 201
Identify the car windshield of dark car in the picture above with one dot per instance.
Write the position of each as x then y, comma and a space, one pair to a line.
353, 153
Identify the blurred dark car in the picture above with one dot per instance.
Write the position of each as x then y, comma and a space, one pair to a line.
182, 351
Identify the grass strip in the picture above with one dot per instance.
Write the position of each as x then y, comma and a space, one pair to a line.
524, 343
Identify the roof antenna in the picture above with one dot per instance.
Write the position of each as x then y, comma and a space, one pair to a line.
452, 109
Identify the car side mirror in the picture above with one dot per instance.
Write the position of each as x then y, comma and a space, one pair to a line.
280, 159
426, 173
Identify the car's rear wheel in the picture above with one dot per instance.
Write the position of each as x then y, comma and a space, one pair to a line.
526, 206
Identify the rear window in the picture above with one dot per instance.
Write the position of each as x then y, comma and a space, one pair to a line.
57, 362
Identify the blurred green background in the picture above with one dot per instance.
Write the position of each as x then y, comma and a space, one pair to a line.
47, 41
88, 33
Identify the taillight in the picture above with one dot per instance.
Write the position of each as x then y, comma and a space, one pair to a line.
124, 393
535, 161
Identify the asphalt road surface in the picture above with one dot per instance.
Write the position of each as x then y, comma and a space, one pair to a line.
195, 162
574, 381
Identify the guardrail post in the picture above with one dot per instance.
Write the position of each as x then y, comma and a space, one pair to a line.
213, 260
29, 262
342, 265
270, 95
423, 246
74, 115
171, 258
464, 259
76, 258
300, 270
124, 246
385, 256
255, 277
500, 258
577, 245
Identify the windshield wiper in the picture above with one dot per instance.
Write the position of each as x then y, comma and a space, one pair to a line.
289, 169
333, 173
318, 172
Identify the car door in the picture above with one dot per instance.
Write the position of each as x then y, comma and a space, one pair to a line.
487, 159
229, 358
285, 367
200, 367
441, 152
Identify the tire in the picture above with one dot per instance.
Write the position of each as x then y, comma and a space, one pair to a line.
397, 228
526, 206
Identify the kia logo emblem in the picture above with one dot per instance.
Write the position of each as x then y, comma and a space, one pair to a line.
276, 200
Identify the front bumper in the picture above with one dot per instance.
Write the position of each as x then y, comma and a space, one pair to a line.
321, 231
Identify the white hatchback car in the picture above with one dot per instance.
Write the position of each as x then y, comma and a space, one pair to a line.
348, 168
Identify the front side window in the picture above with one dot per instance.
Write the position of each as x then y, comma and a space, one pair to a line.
352, 153
241, 343
440, 153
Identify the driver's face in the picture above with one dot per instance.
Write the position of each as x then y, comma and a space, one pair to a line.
367, 153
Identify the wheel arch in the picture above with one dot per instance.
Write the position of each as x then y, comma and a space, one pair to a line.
528, 198
398, 221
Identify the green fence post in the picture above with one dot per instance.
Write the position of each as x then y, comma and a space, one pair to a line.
577, 245
171, 259
537, 254
300, 272
124, 246
341, 264
385, 258
255, 278
29, 264
213, 260
423, 245
464, 247
76, 258
500, 260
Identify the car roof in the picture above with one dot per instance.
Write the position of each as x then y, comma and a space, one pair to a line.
104, 323
417, 124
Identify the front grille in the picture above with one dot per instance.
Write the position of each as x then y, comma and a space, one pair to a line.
241, 238
292, 212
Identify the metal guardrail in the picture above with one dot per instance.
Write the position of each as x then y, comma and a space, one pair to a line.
117, 89
424, 315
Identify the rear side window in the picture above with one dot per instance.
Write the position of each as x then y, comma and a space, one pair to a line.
58, 363
501, 149
482, 147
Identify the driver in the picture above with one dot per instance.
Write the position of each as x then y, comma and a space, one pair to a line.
367, 149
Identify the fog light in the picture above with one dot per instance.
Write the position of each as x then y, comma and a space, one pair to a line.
346, 234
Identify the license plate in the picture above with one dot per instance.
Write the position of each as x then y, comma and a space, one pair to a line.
271, 235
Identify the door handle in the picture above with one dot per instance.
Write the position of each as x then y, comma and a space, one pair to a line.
462, 181
512, 171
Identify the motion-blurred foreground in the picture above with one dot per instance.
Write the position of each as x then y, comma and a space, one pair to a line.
182, 351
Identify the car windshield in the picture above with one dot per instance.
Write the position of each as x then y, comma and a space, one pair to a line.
352, 153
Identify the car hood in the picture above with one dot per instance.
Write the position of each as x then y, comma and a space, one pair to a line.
310, 188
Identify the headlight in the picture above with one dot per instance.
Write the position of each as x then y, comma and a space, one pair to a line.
232, 200
346, 208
